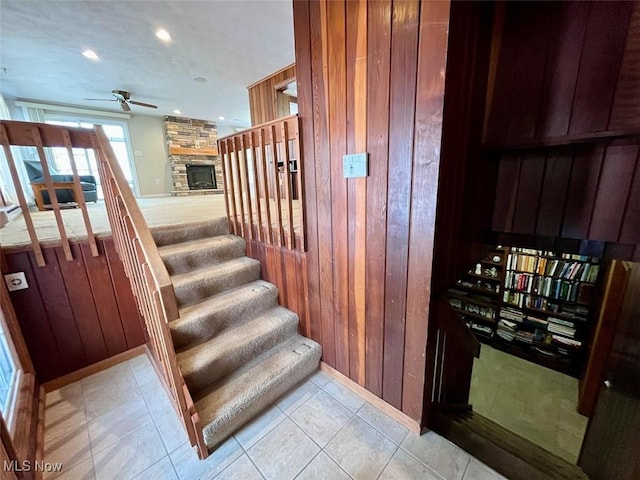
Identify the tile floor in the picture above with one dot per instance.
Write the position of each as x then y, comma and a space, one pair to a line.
533, 401
119, 424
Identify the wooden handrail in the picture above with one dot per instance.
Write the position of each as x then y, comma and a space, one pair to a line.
150, 281
264, 199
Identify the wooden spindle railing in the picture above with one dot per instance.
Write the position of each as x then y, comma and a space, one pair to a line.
264, 194
149, 280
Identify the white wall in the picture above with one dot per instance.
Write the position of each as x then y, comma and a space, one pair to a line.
150, 155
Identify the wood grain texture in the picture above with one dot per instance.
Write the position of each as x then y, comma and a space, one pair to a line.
69, 315
263, 98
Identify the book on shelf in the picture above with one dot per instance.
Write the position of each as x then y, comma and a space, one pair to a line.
561, 330
524, 336
536, 322
560, 321
557, 339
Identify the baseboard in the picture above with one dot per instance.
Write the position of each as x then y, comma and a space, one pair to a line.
380, 404
94, 368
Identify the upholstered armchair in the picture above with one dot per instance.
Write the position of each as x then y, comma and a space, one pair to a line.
36, 177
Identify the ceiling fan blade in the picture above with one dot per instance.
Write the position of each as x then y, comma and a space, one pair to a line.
141, 104
125, 106
102, 99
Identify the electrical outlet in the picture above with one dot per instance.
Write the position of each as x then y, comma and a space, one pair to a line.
16, 281
157, 181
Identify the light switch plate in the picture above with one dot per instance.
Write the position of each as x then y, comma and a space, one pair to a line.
16, 281
355, 165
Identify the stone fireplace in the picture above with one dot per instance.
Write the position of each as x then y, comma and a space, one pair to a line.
196, 168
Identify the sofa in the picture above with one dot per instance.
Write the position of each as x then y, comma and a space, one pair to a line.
87, 183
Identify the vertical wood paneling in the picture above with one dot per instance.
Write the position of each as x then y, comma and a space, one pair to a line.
529, 187
599, 65
305, 109
626, 103
556, 177
263, 97
65, 325
506, 193
434, 26
613, 190
630, 232
581, 191
404, 54
336, 72
378, 68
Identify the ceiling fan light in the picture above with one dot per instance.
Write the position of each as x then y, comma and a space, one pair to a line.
163, 35
177, 112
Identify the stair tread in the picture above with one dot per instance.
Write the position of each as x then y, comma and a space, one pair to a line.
187, 231
199, 244
209, 361
209, 271
236, 398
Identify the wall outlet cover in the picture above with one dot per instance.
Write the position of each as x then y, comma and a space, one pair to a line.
355, 165
16, 281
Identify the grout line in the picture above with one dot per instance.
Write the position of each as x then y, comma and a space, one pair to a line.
388, 461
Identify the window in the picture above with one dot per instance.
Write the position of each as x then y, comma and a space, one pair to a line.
8, 375
85, 159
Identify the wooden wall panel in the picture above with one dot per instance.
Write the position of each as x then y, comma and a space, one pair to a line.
263, 97
590, 81
74, 313
371, 78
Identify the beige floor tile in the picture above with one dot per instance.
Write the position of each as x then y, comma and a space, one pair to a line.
383, 423
320, 378
67, 442
241, 469
259, 427
189, 467
443, 457
111, 397
321, 417
157, 402
82, 471
118, 377
303, 392
479, 471
322, 468
283, 452
65, 407
345, 396
404, 466
161, 470
69, 393
360, 450
171, 431
116, 424
130, 456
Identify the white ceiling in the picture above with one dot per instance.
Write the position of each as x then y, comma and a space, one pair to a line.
230, 43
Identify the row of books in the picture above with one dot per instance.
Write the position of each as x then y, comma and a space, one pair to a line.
492, 287
486, 312
552, 325
509, 330
548, 253
567, 270
550, 287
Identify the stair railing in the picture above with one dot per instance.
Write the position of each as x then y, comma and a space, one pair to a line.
149, 280
263, 181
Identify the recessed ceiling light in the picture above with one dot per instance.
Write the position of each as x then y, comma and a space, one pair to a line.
200, 80
91, 55
163, 35
220, 118
177, 112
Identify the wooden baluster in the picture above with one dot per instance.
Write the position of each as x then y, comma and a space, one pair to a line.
297, 151
79, 196
237, 187
66, 248
244, 178
287, 186
35, 244
265, 181
252, 142
276, 175
222, 151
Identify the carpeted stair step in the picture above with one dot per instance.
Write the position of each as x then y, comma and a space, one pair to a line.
194, 286
201, 321
186, 256
219, 356
187, 231
235, 399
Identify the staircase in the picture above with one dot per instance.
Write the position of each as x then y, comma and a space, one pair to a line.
237, 349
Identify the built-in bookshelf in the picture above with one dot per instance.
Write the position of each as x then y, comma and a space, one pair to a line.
477, 296
534, 304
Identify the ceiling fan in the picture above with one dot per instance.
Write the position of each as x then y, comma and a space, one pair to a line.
124, 98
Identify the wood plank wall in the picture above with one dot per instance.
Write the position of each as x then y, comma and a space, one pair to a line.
264, 102
565, 70
74, 313
371, 78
